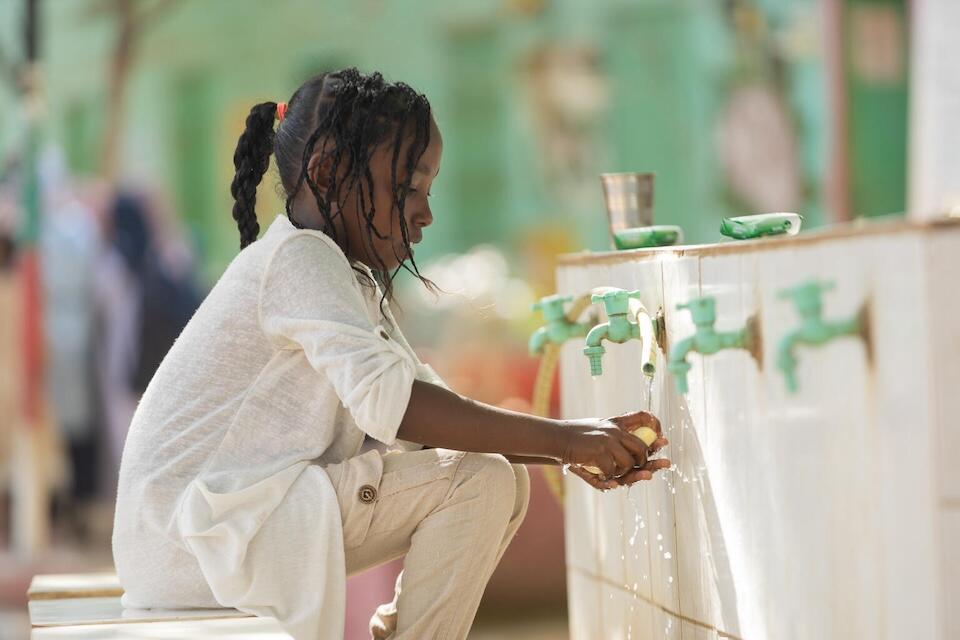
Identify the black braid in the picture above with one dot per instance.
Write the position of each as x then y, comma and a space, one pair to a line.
347, 115
252, 159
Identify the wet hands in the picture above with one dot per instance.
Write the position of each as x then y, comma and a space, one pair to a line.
608, 445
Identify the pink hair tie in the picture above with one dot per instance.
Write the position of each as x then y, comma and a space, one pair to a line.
281, 110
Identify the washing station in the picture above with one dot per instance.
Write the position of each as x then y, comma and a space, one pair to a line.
808, 387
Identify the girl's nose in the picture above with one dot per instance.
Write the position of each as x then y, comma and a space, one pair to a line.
423, 218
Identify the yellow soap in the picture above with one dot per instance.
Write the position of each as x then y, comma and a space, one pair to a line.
648, 435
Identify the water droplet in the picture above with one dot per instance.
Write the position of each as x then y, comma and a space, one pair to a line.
667, 555
670, 579
659, 536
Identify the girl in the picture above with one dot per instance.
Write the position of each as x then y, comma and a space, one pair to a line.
242, 483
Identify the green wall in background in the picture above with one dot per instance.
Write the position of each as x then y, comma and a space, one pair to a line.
669, 67
877, 92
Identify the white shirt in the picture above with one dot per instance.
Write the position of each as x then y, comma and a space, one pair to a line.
287, 363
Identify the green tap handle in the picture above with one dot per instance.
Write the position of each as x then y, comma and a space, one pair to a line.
616, 301
702, 310
806, 290
807, 296
552, 306
547, 300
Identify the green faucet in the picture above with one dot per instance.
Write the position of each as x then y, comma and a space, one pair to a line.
619, 328
558, 328
708, 340
813, 329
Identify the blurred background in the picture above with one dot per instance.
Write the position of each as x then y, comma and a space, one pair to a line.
118, 121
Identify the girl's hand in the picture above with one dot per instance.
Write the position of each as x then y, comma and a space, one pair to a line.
609, 446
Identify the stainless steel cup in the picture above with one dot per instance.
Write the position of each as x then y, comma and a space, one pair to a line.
629, 200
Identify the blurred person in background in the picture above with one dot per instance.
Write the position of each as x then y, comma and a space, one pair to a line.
242, 481
145, 296
69, 248
9, 356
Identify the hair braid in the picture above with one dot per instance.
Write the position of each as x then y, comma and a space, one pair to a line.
252, 159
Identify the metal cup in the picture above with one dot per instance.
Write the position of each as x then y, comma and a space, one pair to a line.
629, 200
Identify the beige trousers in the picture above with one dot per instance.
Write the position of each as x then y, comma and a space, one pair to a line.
452, 513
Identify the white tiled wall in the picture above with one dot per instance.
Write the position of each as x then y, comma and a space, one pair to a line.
830, 513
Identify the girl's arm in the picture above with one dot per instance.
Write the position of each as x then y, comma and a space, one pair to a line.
436, 417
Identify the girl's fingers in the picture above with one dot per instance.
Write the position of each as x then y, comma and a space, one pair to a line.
633, 421
593, 480
635, 476
645, 472
622, 458
636, 448
658, 444
658, 464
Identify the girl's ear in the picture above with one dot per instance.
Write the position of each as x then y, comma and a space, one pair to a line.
319, 171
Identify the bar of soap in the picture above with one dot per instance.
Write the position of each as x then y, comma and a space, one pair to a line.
648, 435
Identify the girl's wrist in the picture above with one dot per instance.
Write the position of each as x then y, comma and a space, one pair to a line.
560, 439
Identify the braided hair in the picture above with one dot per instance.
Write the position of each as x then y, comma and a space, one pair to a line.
345, 115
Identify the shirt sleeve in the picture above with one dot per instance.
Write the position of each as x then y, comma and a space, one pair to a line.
310, 300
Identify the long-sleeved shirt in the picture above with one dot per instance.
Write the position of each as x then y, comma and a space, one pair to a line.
222, 499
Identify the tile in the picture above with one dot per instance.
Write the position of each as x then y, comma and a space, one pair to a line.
234, 629
74, 585
709, 443
583, 606
580, 510
610, 536
678, 415
691, 631
900, 316
942, 264
787, 519
626, 617
950, 574
666, 626
637, 536
580, 525
74, 611
853, 511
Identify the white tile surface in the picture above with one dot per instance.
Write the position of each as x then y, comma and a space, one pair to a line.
584, 610
666, 626
950, 573
690, 631
234, 629
626, 617
786, 504
908, 501
74, 611
942, 266
66, 585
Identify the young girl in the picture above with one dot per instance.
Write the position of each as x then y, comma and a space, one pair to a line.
242, 483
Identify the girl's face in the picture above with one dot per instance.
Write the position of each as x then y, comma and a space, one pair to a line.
366, 246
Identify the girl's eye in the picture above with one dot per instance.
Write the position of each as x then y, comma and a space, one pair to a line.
412, 190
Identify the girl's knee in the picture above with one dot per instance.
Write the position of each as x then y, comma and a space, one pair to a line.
496, 474
522, 485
